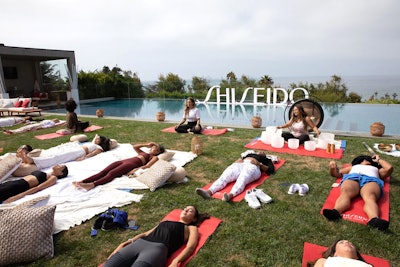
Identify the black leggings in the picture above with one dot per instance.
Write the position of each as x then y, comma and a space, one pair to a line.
12, 188
140, 253
302, 138
189, 126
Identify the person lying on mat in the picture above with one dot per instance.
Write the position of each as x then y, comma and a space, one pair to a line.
34, 126
340, 253
243, 171
69, 152
298, 125
191, 114
13, 190
152, 248
124, 167
21, 152
10, 121
365, 178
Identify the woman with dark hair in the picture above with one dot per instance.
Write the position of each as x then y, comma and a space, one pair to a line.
365, 178
123, 167
152, 248
298, 124
72, 123
30, 184
340, 253
191, 114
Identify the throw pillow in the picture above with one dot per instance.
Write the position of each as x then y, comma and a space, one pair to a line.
79, 137
35, 153
26, 102
157, 174
26, 233
113, 143
167, 155
18, 104
8, 165
178, 176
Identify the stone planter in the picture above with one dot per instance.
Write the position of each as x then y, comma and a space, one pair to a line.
256, 122
377, 129
100, 113
160, 116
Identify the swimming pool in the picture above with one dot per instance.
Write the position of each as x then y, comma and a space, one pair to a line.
337, 117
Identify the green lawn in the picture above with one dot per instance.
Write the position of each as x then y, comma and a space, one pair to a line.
270, 236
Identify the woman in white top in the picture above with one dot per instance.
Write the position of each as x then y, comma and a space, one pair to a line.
365, 178
341, 253
69, 152
298, 124
192, 116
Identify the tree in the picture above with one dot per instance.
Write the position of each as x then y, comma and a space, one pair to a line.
266, 81
199, 85
171, 83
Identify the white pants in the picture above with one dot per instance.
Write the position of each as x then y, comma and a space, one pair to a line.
59, 154
241, 172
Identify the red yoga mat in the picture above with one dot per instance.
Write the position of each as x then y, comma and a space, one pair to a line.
249, 186
320, 153
55, 135
313, 252
206, 229
204, 131
356, 212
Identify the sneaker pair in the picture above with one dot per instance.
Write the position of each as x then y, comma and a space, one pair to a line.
302, 189
254, 196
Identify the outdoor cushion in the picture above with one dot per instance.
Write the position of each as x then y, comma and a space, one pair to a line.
8, 165
157, 174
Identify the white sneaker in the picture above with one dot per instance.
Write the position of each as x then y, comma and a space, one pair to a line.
252, 199
264, 198
303, 190
293, 189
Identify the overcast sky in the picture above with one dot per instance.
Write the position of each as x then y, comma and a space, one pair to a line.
209, 38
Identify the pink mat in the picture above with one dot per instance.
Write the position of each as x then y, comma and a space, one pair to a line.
356, 212
313, 252
55, 135
204, 131
320, 153
249, 186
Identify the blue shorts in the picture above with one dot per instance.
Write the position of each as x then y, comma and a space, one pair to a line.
362, 179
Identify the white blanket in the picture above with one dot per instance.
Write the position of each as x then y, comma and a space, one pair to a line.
75, 206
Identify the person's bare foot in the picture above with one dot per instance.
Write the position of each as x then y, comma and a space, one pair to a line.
86, 186
334, 170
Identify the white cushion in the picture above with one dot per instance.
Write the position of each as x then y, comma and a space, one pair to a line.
178, 175
167, 155
157, 174
79, 137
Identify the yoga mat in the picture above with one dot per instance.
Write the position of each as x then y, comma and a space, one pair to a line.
356, 212
249, 186
55, 135
320, 153
313, 252
204, 131
206, 229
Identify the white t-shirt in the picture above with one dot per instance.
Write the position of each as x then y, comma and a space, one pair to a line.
368, 170
344, 262
193, 115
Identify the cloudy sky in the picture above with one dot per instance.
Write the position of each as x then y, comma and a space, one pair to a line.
210, 38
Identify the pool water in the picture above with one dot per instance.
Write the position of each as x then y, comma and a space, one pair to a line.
337, 117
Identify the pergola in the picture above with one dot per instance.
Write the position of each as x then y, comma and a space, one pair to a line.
20, 70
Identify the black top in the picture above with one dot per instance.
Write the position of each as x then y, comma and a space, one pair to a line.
171, 234
264, 160
41, 176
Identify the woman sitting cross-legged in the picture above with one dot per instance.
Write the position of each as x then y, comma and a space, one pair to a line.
243, 171
123, 167
365, 178
152, 248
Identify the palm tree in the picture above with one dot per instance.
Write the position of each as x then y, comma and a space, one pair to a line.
266, 81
